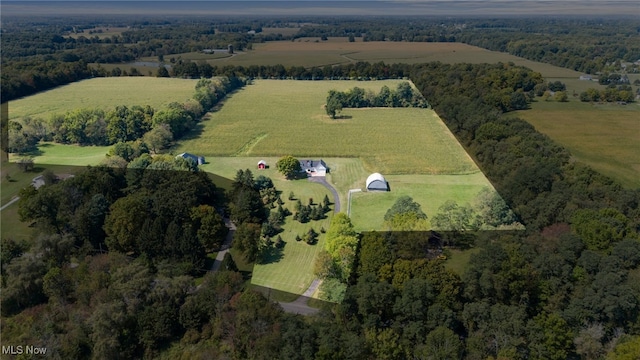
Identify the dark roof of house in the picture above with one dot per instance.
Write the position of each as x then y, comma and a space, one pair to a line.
308, 164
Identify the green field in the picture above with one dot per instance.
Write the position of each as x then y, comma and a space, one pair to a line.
280, 117
61, 154
104, 93
604, 136
430, 191
292, 269
312, 52
309, 52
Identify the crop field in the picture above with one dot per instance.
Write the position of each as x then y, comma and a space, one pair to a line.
430, 191
290, 270
309, 52
604, 136
193, 56
279, 117
103, 93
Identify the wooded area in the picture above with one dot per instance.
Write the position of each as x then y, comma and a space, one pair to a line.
110, 271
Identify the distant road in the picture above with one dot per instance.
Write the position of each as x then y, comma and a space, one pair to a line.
10, 202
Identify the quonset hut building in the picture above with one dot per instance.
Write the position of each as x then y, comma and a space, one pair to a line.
376, 182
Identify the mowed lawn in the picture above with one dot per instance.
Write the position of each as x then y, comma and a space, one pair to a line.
282, 117
103, 93
430, 191
62, 154
604, 136
291, 269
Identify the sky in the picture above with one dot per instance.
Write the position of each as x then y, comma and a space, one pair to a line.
324, 7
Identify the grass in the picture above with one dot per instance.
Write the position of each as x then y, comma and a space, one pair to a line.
62, 154
390, 141
291, 270
430, 191
604, 136
104, 93
458, 260
10, 225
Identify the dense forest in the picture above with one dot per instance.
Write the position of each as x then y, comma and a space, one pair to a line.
36, 58
99, 281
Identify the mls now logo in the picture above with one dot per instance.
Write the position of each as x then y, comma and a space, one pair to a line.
19, 350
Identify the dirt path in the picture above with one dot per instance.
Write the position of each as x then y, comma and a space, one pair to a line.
10, 202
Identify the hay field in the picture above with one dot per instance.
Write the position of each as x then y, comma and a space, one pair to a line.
280, 117
103, 93
307, 52
604, 136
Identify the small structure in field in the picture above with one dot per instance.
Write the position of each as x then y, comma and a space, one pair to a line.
376, 182
262, 164
314, 167
198, 159
586, 77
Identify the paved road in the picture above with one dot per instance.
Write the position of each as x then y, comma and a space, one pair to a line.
9, 203
226, 245
336, 199
299, 306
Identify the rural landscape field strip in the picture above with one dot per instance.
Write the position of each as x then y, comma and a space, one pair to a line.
103, 93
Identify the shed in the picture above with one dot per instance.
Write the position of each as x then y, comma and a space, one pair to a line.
262, 164
377, 182
198, 159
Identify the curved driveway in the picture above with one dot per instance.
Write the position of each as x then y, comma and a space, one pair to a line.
299, 306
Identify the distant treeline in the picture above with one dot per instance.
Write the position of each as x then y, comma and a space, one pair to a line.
37, 57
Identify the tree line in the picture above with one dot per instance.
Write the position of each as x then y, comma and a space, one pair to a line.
35, 62
403, 96
122, 124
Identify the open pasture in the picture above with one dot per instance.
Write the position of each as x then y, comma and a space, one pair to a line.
278, 117
430, 191
62, 154
103, 93
604, 136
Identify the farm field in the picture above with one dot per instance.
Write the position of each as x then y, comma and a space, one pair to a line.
604, 136
291, 269
390, 141
104, 93
307, 52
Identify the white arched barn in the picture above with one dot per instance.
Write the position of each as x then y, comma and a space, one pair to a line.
376, 181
